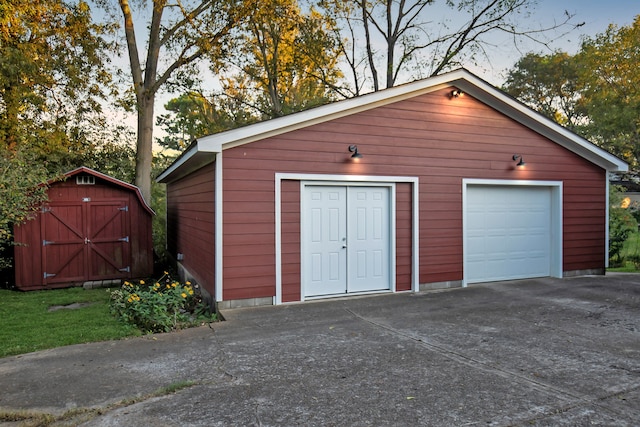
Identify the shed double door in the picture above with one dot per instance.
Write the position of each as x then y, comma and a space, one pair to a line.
85, 241
346, 240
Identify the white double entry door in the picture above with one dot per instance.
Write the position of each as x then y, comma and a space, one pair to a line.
346, 244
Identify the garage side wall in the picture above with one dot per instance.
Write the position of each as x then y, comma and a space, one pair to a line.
439, 139
190, 225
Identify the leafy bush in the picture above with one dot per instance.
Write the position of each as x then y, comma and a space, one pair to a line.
22, 192
159, 205
161, 307
621, 225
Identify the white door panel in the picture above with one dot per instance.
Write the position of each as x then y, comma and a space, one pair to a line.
368, 238
326, 271
346, 240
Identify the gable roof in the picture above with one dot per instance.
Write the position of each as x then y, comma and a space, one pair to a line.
110, 179
203, 150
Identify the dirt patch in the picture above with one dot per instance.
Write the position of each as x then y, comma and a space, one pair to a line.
73, 306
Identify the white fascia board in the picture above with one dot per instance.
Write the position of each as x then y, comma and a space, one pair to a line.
181, 160
196, 156
513, 108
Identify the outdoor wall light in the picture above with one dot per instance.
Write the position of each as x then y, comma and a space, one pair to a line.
520, 160
354, 149
456, 93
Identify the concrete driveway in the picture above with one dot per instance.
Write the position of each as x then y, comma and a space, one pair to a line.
533, 352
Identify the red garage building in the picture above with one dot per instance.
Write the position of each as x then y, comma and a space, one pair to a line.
438, 183
94, 228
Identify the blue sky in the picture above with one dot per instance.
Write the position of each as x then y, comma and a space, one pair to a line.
596, 15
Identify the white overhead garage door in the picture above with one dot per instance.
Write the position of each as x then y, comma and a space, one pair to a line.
509, 231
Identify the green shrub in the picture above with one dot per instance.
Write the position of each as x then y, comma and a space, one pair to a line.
162, 306
621, 225
22, 192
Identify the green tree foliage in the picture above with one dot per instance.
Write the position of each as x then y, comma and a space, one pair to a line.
549, 84
177, 36
192, 115
611, 89
53, 82
52, 74
21, 193
159, 205
621, 225
596, 92
288, 62
289, 59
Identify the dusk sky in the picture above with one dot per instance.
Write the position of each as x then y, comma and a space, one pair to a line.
596, 15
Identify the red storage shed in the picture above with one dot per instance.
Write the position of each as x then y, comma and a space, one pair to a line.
94, 228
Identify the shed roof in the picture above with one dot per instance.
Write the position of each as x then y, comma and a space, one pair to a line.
110, 179
203, 150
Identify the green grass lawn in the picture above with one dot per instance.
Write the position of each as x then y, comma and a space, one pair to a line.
28, 325
632, 245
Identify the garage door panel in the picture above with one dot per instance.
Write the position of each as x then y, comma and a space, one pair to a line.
508, 232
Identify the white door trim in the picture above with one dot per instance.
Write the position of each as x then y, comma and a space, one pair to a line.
349, 180
556, 218
304, 220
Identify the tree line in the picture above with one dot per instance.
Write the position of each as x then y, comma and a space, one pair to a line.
594, 92
70, 66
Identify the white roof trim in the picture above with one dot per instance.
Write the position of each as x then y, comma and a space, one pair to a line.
513, 108
196, 156
460, 78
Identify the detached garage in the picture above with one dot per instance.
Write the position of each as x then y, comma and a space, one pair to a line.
94, 228
438, 183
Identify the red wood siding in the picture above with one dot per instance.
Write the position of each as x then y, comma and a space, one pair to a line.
439, 140
403, 235
290, 198
249, 230
191, 222
98, 223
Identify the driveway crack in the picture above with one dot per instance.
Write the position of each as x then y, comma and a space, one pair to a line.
473, 362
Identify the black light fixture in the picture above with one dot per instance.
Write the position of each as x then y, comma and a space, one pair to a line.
520, 160
354, 149
456, 93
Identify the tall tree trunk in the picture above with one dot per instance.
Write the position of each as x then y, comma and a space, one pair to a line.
144, 155
391, 43
367, 34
